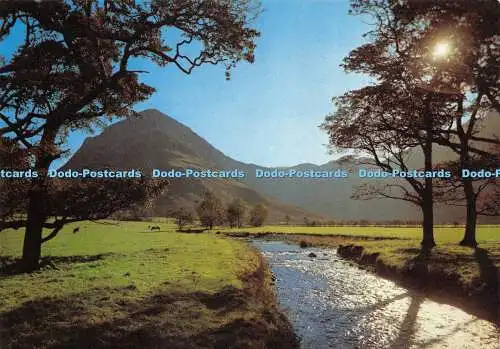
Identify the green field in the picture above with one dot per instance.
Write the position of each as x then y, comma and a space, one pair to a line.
443, 234
124, 283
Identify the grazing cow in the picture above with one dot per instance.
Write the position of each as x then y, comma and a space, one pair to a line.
76, 230
155, 227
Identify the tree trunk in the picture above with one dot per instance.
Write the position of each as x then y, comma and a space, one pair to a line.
32, 246
427, 194
428, 225
33, 235
469, 238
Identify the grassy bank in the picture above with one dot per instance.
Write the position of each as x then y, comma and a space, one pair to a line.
443, 234
459, 275
111, 286
464, 277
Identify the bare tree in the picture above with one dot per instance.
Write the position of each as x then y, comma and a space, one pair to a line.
182, 217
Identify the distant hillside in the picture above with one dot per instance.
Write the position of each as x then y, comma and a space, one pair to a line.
157, 141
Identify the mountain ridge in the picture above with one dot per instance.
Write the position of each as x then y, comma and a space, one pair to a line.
155, 140
130, 143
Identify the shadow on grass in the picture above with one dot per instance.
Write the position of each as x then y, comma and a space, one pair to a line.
490, 275
420, 263
188, 231
438, 276
12, 266
104, 318
193, 230
441, 257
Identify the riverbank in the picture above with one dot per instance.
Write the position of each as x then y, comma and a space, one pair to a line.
333, 303
450, 273
123, 286
425, 273
461, 276
442, 233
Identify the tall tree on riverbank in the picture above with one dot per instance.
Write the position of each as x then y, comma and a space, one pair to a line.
385, 122
464, 37
419, 52
71, 70
397, 114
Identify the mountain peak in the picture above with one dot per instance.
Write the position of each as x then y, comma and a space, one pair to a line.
154, 117
151, 111
153, 114
148, 122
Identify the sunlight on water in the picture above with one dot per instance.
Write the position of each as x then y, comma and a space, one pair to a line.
333, 304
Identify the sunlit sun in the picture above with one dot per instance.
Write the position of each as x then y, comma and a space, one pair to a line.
442, 49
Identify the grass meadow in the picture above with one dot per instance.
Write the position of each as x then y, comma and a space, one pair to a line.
124, 286
443, 234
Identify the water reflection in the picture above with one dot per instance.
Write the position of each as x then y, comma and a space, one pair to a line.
334, 304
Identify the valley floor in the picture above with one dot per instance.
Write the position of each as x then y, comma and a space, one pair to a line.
111, 286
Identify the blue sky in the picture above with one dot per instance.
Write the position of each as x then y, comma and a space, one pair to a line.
269, 112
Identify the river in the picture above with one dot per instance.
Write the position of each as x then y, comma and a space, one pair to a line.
334, 304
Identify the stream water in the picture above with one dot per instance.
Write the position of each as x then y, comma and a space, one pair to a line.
334, 304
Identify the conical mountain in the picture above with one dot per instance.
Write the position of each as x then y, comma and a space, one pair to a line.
156, 141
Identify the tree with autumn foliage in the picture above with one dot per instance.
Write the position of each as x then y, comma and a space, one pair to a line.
462, 39
395, 115
13, 192
386, 122
435, 65
71, 71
